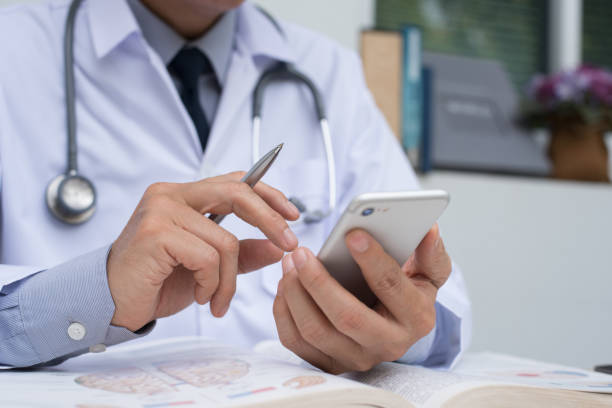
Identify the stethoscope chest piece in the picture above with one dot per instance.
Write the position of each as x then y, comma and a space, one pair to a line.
71, 198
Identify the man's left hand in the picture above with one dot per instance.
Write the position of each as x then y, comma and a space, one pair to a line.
327, 326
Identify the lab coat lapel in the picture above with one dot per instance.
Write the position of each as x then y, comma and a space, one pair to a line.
256, 36
112, 23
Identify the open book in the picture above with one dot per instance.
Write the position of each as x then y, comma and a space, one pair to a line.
193, 372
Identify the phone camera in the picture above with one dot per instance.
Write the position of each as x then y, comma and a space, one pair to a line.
367, 212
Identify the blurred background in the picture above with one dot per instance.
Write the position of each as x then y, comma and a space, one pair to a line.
535, 249
506, 104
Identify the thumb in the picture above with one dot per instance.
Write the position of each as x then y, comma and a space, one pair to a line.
257, 253
431, 258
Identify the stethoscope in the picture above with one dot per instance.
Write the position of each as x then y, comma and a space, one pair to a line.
283, 71
71, 197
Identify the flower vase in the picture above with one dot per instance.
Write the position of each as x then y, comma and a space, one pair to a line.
578, 152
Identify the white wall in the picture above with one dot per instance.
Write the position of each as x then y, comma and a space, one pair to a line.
536, 255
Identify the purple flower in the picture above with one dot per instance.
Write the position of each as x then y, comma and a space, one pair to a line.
542, 90
585, 84
583, 80
563, 91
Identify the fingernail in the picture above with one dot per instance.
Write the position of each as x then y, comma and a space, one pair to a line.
290, 238
437, 243
292, 209
299, 257
217, 310
288, 264
359, 242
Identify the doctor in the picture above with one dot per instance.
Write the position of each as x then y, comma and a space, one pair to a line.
163, 118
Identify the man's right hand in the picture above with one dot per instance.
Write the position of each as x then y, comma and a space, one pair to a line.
169, 254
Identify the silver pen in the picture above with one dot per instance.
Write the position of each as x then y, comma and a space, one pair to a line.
254, 174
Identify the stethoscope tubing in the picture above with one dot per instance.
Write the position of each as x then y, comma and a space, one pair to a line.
283, 71
71, 120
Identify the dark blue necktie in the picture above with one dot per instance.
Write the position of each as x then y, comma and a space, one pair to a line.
188, 65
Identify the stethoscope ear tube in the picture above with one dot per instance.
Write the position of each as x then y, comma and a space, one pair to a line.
284, 71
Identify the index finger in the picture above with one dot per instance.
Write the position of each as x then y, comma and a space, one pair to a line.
272, 196
225, 196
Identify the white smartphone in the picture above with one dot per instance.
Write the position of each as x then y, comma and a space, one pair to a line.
397, 220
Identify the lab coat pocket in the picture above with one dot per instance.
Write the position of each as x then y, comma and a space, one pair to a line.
307, 181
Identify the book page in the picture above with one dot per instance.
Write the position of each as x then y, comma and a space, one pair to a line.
165, 373
418, 385
500, 367
423, 386
415, 384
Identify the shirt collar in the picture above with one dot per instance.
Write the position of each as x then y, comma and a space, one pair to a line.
260, 34
164, 40
112, 21
217, 43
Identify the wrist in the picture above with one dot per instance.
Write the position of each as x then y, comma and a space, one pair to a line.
120, 314
131, 307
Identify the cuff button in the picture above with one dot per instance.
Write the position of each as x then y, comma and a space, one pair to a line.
76, 331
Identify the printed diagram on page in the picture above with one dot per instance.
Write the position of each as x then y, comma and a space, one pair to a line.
208, 376
168, 376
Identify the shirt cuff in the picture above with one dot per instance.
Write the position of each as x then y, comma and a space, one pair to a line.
441, 346
67, 309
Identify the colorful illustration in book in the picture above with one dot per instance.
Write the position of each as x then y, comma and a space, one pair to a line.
201, 373
304, 381
205, 372
130, 380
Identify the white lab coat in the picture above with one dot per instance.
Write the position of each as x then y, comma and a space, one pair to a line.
134, 131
